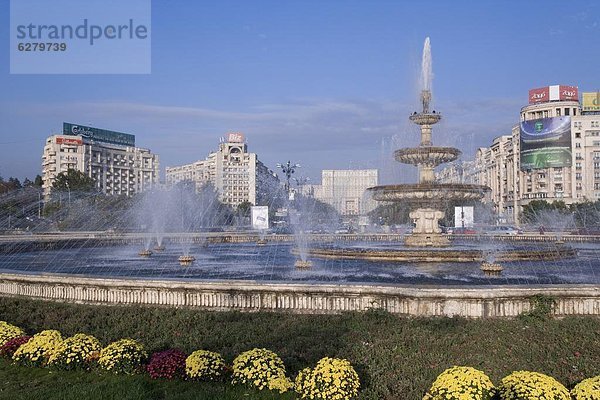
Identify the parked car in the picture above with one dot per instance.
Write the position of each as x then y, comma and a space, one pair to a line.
503, 230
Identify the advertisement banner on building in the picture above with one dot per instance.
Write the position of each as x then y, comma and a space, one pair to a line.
591, 101
100, 135
539, 95
260, 217
553, 93
463, 217
69, 141
235, 137
545, 143
570, 93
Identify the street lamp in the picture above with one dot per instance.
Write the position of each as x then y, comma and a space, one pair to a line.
288, 169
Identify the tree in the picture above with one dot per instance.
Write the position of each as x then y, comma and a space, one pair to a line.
243, 209
38, 181
73, 181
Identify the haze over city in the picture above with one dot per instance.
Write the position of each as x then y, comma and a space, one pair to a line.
327, 85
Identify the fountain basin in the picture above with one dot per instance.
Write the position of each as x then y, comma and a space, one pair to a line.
430, 194
427, 155
429, 255
425, 118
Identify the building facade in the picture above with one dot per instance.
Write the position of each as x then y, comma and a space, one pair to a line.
346, 190
553, 154
109, 158
237, 175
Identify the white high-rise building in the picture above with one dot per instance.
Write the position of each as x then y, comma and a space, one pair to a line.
108, 157
346, 190
237, 175
553, 154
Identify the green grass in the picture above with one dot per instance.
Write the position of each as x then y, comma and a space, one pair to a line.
22, 383
397, 358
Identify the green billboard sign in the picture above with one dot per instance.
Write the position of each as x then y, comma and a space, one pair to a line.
99, 135
546, 143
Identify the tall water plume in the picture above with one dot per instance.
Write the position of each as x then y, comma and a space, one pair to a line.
426, 71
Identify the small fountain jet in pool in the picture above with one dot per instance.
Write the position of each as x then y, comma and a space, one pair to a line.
427, 198
145, 253
186, 261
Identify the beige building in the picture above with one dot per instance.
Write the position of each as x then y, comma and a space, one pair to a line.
345, 190
575, 175
236, 174
118, 168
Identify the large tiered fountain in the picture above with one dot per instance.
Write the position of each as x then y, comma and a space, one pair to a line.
426, 198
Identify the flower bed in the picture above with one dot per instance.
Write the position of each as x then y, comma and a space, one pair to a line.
77, 352
38, 350
457, 383
123, 356
8, 332
587, 389
526, 385
332, 378
9, 348
205, 365
261, 369
168, 364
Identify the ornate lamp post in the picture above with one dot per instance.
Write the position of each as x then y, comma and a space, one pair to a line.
288, 170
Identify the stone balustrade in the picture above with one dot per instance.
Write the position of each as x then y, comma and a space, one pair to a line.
471, 302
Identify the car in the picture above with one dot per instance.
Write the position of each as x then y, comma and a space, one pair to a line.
503, 230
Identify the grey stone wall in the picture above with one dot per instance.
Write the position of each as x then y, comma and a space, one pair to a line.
471, 302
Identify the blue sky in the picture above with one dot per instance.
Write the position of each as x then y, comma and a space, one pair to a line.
327, 84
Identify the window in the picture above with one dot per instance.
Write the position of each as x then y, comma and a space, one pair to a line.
558, 112
567, 111
578, 145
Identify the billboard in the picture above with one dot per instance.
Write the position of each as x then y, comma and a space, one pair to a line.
567, 93
545, 143
463, 217
539, 95
260, 217
235, 137
99, 135
70, 141
553, 93
591, 101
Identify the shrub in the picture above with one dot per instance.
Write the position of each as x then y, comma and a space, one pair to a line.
8, 332
457, 383
123, 356
525, 385
76, 352
587, 389
261, 369
332, 378
167, 364
205, 365
38, 349
9, 348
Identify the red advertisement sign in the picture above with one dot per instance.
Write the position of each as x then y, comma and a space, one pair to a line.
539, 95
235, 137
71, 141
568, 93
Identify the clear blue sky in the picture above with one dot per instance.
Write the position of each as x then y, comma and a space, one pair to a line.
327, 84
